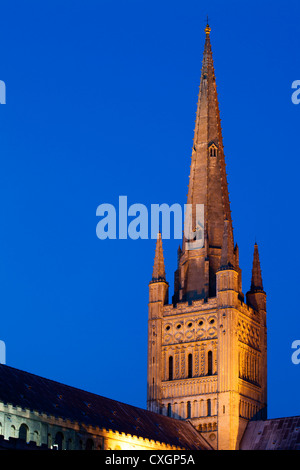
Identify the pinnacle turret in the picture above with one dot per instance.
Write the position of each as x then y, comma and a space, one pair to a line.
256, 297
159, 273
256, 280
228, 252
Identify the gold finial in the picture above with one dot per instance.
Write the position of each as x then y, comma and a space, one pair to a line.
207, 29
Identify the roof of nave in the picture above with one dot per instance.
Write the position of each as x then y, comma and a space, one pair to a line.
29, 391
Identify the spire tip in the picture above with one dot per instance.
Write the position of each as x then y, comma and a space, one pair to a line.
207, 28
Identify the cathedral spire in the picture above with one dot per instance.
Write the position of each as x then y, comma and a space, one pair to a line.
207, 187
159, 273
209, 174
256, 281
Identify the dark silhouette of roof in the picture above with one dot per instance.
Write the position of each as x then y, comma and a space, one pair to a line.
14, 443
272, 434
36, 393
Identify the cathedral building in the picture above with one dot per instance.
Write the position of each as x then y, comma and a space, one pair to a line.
207, 349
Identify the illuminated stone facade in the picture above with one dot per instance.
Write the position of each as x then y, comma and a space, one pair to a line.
207, 350
63, 434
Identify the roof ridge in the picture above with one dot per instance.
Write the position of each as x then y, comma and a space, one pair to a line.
70, 386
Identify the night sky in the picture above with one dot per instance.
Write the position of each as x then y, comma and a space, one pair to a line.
100, 102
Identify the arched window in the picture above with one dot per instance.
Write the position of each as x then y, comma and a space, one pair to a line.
169, 410
23, 432
89, 445
209, 363
190, 366
59, 438
188, 409
213, 151
171, 368
208, 407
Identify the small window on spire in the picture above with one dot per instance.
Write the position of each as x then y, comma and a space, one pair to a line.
213, 150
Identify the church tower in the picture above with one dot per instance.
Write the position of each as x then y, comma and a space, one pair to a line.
207, 350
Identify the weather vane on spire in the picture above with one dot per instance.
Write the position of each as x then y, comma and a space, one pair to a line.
207, 29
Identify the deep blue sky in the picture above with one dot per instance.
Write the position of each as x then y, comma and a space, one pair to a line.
101, 102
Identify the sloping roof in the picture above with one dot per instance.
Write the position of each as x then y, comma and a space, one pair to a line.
272, 434
33, 392
14, 443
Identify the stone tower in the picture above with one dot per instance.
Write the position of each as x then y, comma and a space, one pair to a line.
207, 350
